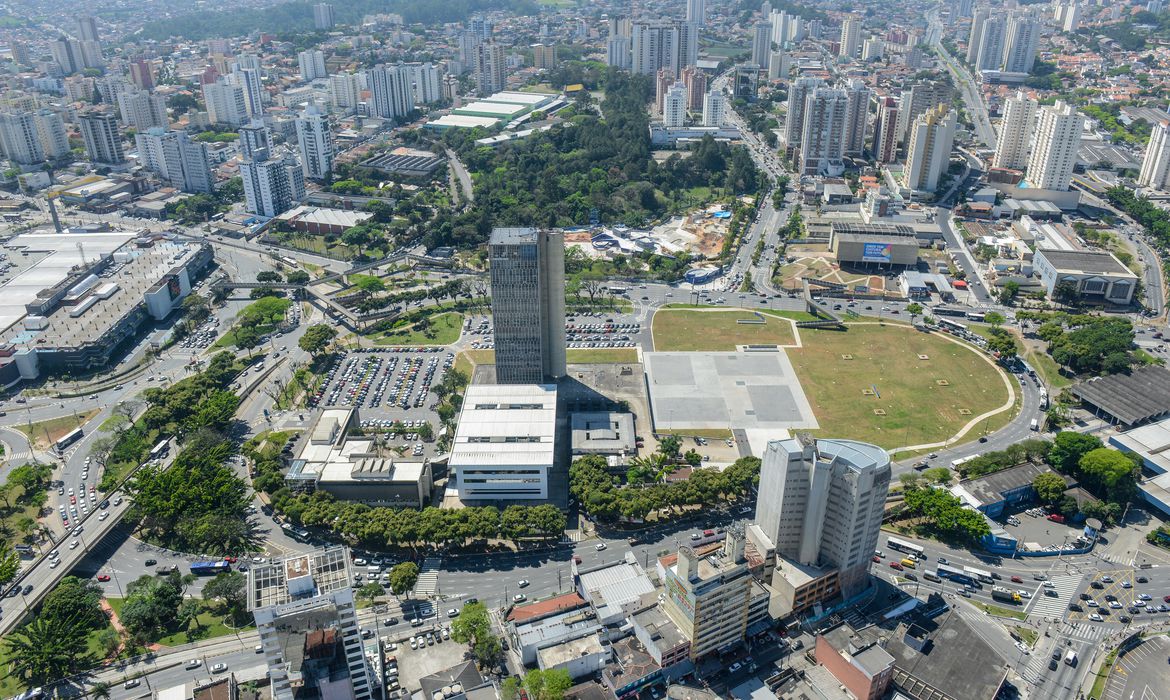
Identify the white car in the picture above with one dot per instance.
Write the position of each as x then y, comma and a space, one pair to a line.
1049, 584
600, 546
1115, 605
219, 668
1024, 594
523, 583
1091, 603
73, 544
1095, 617
192, 664
1023, 647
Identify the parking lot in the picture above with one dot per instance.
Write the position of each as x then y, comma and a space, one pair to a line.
1035, 531
589, 329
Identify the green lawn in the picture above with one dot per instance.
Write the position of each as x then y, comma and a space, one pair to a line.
917, 409
211, 623
47, 432
1103, 676
1048, 370
1002, 612
1027, 634
597, 356
704, 331
444, 329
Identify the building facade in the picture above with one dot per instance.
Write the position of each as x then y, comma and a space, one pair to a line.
103, 140
822, 141
391, 92
708, 598
1015, 132
177, 158
528, 304
1058, 137
316, 143
1155, 171
271, 185
928, 153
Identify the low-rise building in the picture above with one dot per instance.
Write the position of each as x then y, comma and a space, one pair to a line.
603, 433
861, 665
1008, 489
885, 245
322, 221
1094, 275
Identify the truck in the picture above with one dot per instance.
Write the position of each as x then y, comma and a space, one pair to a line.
1034, 425
1001, 593
1071, 658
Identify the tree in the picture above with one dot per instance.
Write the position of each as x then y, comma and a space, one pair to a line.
196, 307
230, 590
940, 475
45, 651
670, 445
368, 284
268, 277
1067, 449
510, 688
994, 319
1065, 292
100, 690
316, 338
473, 627
1049, 487
370, 591
1009, 292
297, 277
547, 685
1108, 473
915, 310
403, 577
1001, 342
426, 432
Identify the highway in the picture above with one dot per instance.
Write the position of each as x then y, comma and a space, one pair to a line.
969, 91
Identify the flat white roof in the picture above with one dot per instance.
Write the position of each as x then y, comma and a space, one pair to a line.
532, 99
1151, 442
462, 121
506, 424
501, 108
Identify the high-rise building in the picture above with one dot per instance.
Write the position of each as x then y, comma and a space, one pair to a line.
1023, 35
316, 143
91, 54
695, 81
425, 79
778, 66
714, 108
708, 598
249, 80
850, 37
20, 53
885, 132
820, 503
51, 130
142, 75
67, 54
662, 82
345, 90
822, 141
1155, 171
697, 11
654, 45
544, 56
798, 90
271, 185
306, 616
87, 28
19, 137
103, 142
141, 110
391, 91
674, 106
747, 82
856, 117
312, 65
1015, 132
177, 158
323, 17
991, 44
1054, 155
527, 269
491, 72
688, 44
762, 44
254, 138
873, 49
975, 38
917, 100
618, 49
225, 103
928, 151
481, 27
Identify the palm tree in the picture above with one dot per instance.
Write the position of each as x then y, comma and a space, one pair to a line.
45, 651
100, 690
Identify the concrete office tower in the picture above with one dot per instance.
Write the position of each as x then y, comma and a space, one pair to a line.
142, 75
67, 54
850, 44
798, 90
697, 11
427, 86
271, 185
249, 80
928, 153
254, 138
1015, 132
176, 158
312, 65
714, 108
528, 304
22, 143
316, 143
688, 44
323, 17
695, 81
975, 38
345, 90
674, 106
544, 56
490, 69
51, 131
103, 143
391, 91
856, 117
1023, 35
87, 28
919, 99
762, 44
1058, 136
820, 502
708, 598
654, 45
1156, 163
991, 43
141, 110
307, 620
885, 132
822, 142
225, 103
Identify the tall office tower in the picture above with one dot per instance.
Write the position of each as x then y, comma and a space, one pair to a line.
481, 27
20, 53
225, 103
91, 54
425, 78
1015, 132
618, 50
822, 142
490, 68
249, 79
1154, 7
103, 143
391, 92
1155, 171
688, 44
654, 45
697, 11
747, 82
528, 304
271, 185
544, 56
323, 17
22, 143
856, 117
142, 75
885, 132
917, 100
662, 82
67, 54
928, 152
695, 81
1058, 136
51, 131
254, 138
1023, 34
714, 108
312, 65
873, 49
175, 157
87, 28
307, 619
140, 110
820, 504
345, 90
674, 106
798, 90
316, 143
850, 37
975, 38
762, 44
708, 598
991, 41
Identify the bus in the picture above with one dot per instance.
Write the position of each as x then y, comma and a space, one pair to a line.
962, 460
68, 440
296, 533
954, 574
210, 568
160, 449
976, 315
978, 574
950, 326
905, 547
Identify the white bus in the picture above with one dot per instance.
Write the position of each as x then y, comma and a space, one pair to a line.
905, 547
978, 574
962, 460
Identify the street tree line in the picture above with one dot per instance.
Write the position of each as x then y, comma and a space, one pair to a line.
1086, 344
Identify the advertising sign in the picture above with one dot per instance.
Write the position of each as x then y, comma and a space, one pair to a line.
877, 252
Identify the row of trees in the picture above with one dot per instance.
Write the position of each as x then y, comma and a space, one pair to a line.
1155, 220
944, 513
1089, 344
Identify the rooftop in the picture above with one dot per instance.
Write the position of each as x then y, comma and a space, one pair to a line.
871, 230
512, 236
1151, 442
603, 432
325, 217
992, 487
298, 576
954, 662
506, 424
1086, 262
548, 606
572, 649
1131, 398
663, 632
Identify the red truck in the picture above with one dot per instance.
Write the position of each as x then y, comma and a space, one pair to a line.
1056, 518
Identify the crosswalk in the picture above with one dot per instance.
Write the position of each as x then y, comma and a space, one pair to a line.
428, 577
1083, 631
1055, 606
1126, 560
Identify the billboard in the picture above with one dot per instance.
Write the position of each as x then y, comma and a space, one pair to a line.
683, 598
174, 287
877, 252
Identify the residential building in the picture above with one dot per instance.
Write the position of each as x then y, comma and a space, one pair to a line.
1058, 137
312, 65
103, 141
674, 106
141, 110
306, 617
798, 91
992, 38
778, 66
528, 304
225, 103
177, 158
856, 117
391, 91
316, 143
917, 100
860, 664
762, 44
271, 185
253, 138
87, 28
714, 108
850, 43
708, 598
345, 91
20, 139
928, 152
249, 80
695, 81
697, 11
1015, 132
425, 79
688, 44
51, 131
481, 27
885, 133
873, 49
67, 54
544, 56
975, 38
654, 45
662, 82
142, 75
1023, 35
1155, 171
822, 141
490, 68
618, 51
323, 16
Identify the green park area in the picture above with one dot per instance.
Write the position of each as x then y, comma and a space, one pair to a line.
895, 386
440, 329
694, 330
254, 321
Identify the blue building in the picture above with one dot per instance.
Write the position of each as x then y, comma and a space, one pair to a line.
1006, 490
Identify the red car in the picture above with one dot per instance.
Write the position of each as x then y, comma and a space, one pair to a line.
1056, 518
877, 560
1166, 598
103, 578
896, 565
1017, 579
73, 500
230, 560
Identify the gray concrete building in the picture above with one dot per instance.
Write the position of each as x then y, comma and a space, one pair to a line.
528, 304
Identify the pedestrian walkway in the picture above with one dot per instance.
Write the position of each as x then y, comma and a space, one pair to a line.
572, 536
428, 578
1126, 560
1055, 606
1083, 631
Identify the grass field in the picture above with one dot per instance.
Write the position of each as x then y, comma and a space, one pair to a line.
47, 432
1002, 612
468, 359
886, 357
704, 331
444, 329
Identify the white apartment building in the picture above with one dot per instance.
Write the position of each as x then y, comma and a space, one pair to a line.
141, 110
1015, 132
1058, 136
345, 91
714, 108
391, 92
1155, 171
316, 143
856, 117
177, 158
822, 141
850, 44
928, 151
271, 185
312, 65
225, 103
674, 106
103, 140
